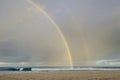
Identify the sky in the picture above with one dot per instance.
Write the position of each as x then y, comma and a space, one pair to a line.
90, 27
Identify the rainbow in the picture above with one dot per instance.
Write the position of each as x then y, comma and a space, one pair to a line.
56, 27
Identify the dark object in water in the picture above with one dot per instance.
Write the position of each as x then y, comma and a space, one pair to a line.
27, 69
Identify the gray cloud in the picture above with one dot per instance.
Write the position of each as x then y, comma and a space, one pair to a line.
91, 28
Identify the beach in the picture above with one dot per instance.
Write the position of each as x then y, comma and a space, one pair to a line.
64, 75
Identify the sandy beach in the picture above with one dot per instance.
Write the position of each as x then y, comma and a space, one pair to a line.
64, 75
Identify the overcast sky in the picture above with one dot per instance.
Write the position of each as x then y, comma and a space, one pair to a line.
91, 27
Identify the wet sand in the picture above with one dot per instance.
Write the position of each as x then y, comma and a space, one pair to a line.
64, 75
